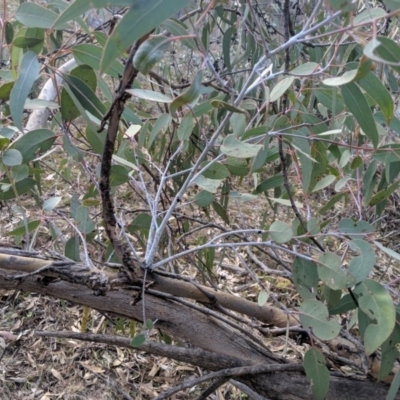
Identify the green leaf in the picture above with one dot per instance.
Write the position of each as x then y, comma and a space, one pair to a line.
9, 32
215, 171
19, 172
29, 71
383, 194
331, 98
138, 340
85, 224
28, 38
395, 385
149, 324
324, 182
314, 315
369, 14
313, 226
270, 183
90, 54
235, 148
38, 104
237, 166
305, 277
226, 46
189, 95
72, 248
384, 50
347, 77
346, 303
51, 203
204, 198
355, 229
141, 223
305, 69
220, 211
22, 187
85, 95
85, 73
344, 5
330, 271
11, 158
285, 202
149, 95
280, 88
262, 298
22, 229
150, 53
226, 106
179, 29
33, 143
241, 197
261, 158
318, 373
210, 185
389, 353
162, 123
358, 106
337, 197
280, 232
374, 87
185, 128
79, 7
5, 90
119, 175
375, 301
35, 16
389, 252
142, 17
361, 266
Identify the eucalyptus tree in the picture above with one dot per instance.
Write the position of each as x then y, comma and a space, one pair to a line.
210, 135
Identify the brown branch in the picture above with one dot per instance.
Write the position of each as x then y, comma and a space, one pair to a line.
113, 116
212, 388
100, 280
287, 383
228, 373
216, 346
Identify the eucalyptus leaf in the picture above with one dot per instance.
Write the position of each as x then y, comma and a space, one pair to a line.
28, 74
375, 301
314, 315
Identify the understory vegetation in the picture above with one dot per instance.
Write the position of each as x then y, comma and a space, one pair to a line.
199, 199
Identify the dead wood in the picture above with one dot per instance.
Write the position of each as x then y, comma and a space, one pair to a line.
216, 345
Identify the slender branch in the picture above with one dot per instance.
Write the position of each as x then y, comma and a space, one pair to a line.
230, 372
113, 117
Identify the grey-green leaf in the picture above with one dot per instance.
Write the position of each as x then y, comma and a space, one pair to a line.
280, 232
235, 148
35, 16
142, 17
362, 265
318, 373
305, 277
375, 301
28, 73
314, 315
11, 158
358, 106
150, 53
330, 271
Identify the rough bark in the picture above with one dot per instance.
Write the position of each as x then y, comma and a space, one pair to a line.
216, 345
